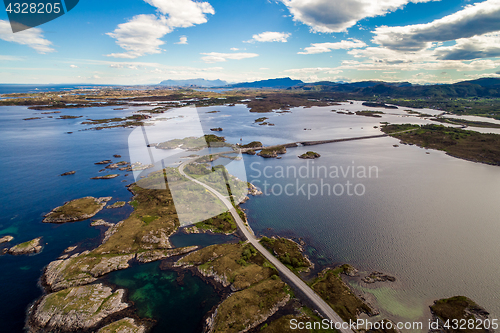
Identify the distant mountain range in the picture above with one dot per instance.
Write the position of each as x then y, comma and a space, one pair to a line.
485, 87
285, 82
193, 83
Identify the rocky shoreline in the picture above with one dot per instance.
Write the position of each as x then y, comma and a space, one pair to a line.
76, 210
30, 247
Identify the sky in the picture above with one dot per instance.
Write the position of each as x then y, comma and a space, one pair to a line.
135, 42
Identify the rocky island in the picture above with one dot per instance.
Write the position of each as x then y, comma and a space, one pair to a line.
461, 309
76, 309
310, 155
272, 152
6, 239
76, 210
29, 247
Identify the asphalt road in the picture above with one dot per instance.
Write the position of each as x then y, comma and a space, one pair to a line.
321, 305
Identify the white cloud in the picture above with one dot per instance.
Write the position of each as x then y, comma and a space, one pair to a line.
213, 57
339, 15
73, 66
183, 13
183, 40
142, 34
32, 37
270, 36
485, 46
473, 20
328, 47
235, 49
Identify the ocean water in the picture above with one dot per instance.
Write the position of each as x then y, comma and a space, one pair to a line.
429, 219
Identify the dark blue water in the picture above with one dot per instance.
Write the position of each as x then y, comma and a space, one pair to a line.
429, 219
33, 154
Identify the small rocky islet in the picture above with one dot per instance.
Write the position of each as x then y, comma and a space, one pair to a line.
255, 290
310, 155
76, 210
30, 247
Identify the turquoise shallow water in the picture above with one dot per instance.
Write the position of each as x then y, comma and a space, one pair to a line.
158, 294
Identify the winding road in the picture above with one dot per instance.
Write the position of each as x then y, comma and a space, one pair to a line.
291, 278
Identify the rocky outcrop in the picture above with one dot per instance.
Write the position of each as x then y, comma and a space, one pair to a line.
456, 310
155, 255
125, 325
6, 239
68, 173
101, 222
30, 247
310, 155
378, 277
76, 309
272, 152
117, 204
218, 129
82, 269
104, 162
156, 239
106, 177
76, 210
253, 190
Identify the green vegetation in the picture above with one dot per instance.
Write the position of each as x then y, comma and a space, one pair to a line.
223, 223
246, 308
272, 152
375, 114
378, 105
259, 291
483, 107
193, 143
337, 294
239, 264
283, 100
287, 251
463, 122
75, 210
261, 119
310, 155
253, 144
468, 145
307, 316
117, 204
154, 215
124, 325
458, 307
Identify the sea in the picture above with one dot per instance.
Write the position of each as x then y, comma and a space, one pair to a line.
422, 216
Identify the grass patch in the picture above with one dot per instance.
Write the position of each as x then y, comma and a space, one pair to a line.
287, 251
458, 307
337, 294
223, 223
245, 307
469, 145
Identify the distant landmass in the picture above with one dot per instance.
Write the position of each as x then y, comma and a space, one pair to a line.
193, 82
272, 83
485, 87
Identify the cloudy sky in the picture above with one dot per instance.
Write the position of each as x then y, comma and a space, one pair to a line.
147, 41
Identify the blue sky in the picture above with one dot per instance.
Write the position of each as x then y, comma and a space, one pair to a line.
147, 41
